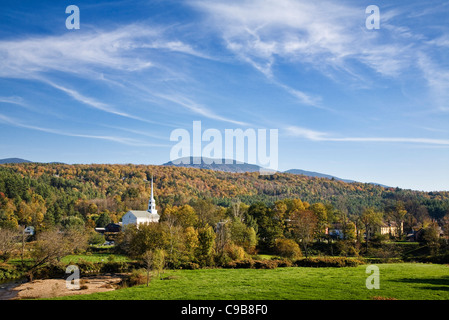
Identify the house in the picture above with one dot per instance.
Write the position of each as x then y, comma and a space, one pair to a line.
390, 228
29, 231
136, 217
113, 227
336, 230
386, 228
415, 234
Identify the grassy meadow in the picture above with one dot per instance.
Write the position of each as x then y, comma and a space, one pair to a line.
403, 281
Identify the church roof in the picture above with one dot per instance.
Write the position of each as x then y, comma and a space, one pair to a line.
142, 214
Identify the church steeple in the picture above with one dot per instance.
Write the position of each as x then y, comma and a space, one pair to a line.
152, 202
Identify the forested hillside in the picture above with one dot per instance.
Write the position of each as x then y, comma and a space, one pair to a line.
47, 194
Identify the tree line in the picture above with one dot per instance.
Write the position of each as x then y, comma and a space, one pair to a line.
46, 195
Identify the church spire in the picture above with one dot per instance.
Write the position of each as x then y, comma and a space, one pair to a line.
152, 202
152, 188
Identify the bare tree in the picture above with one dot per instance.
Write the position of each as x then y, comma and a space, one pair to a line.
154, 260
223, 236
304, 225
9, 238
52, 245
148, 258
235, 203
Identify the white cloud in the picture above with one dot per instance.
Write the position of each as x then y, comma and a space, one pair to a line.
437, 79
195, 107
74, 53
92, 53
325, 35
13, 100
306, 133
324, 136
121, 140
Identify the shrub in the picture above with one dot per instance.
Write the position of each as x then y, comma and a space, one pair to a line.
265, 264
235, 252
8, 272
114, 266
190, 266
283, 262
137, 277
222, 259
347, 248
288, 248
322, 262
96, 238
246, 263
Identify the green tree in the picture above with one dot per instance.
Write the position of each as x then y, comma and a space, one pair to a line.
148, 236
268, 227
191, 242
103, 220
206, 243
431, 237
320, 211
243, 236
370, 220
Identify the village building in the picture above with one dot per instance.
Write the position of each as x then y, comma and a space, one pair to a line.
390, 228
136, 217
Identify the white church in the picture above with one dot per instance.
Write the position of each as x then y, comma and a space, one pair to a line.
137, 217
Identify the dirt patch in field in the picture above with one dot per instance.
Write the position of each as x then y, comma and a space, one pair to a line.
50, 288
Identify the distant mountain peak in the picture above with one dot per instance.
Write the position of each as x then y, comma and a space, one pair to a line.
229, 165
226, 165
14, 160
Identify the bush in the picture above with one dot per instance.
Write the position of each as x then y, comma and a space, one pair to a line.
137, 277
282, 263
246, 263
265, 264
96, 238
222, 259
114, 266
347, 248
8, 272
288, 248
323, 262
235, 252
439, 259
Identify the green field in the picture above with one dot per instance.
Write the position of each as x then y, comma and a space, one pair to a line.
400, 281
94, 257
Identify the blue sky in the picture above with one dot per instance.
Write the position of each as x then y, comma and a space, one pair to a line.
368, 105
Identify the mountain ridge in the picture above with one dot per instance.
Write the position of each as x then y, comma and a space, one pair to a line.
219, 165
238, 167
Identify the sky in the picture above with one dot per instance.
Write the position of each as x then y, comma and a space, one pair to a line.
359, 103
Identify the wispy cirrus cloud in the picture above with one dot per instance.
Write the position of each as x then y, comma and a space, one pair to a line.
327, 36
125, 49
13, 100
119, 53
74, 54
314, 135
195, 107
121, 140
437, 79
92, 102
